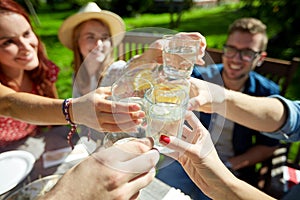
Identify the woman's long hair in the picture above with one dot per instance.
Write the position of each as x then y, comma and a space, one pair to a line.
82, 82
39, 75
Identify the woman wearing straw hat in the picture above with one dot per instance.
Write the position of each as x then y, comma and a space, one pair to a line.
91, 34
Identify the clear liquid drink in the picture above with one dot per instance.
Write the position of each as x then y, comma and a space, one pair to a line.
179, 55
165, 110
179, 62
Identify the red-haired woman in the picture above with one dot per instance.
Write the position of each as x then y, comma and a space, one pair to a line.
24, 66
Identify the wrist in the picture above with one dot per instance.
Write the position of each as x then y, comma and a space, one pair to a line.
66, 109
228, 95
72, 119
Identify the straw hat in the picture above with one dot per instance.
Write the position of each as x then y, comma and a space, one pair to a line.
92, 11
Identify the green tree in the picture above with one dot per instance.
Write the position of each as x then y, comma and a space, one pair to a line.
176, 10
174, 7
130, 8
285, 15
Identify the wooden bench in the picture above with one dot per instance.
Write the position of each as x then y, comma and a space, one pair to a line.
135, 43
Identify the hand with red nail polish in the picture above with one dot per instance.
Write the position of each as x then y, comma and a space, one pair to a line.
164, 139
197, 155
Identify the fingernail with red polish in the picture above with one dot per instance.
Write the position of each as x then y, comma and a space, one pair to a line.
164, 139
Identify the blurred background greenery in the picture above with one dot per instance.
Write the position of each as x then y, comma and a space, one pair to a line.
210, 19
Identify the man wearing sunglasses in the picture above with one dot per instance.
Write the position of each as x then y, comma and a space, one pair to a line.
240, 148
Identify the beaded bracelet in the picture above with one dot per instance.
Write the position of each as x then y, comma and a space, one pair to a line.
65, 109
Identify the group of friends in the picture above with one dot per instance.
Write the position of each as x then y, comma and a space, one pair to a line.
229, 104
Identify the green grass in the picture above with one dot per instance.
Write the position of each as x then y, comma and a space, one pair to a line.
293, 153
212, 22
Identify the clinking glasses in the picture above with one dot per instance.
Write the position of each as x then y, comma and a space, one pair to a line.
247, 55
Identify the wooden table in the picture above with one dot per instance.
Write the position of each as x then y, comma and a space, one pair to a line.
55, 138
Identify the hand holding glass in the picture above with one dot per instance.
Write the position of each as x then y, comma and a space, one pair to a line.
165, 110
179, 55
128, 89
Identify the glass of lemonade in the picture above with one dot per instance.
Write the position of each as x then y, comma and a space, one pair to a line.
179, 55
128, 89
165, 109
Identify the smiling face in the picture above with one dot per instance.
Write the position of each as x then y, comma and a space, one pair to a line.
18, 44
235, 68
94, 40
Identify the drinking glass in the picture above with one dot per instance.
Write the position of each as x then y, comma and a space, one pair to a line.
128, 89
179, 55
165, 106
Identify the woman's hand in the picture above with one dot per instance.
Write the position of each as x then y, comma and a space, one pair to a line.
154, 53
93, 109
202, 46
108, 115
197, 155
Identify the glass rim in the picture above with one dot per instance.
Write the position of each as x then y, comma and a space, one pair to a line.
180, 37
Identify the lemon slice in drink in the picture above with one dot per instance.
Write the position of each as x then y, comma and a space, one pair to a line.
166, 94
139, 82
141, 85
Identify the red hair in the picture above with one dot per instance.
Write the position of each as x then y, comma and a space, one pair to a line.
39, 75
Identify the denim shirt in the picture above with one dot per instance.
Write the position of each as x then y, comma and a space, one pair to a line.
290, 131
256, 85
